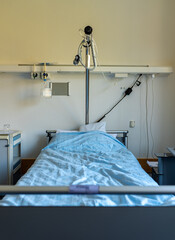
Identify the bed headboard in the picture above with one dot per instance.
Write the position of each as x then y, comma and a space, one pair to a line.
121, 135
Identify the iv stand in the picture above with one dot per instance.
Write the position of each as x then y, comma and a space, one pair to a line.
87, 42
87, 89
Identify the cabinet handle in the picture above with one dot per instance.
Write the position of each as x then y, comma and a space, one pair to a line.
7, 145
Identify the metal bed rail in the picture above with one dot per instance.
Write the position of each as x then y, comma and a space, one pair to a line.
87, 189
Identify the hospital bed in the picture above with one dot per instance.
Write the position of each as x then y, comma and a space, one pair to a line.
80, 209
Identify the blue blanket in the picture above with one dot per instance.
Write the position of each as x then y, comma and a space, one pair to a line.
93, 158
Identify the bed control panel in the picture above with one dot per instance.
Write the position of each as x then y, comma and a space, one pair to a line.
121, 135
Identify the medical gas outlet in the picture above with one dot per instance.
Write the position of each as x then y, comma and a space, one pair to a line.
45, 75
42, 75
35, 75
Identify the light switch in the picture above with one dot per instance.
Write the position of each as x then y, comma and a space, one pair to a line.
132, 124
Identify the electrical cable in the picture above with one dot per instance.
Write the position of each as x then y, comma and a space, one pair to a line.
140, 140
147, 133
127, 92
98, 63
152, 111
81, 32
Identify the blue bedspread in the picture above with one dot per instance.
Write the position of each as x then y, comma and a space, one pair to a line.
85, 158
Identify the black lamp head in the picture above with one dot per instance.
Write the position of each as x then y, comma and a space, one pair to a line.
88, 30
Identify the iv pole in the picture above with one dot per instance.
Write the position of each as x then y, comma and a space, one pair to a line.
87, 88
87, 42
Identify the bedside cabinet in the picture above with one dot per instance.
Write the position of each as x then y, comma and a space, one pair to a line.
166, 168
10, 156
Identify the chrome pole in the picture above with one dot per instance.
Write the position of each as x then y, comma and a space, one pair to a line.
88, 43
87, 97
87, 88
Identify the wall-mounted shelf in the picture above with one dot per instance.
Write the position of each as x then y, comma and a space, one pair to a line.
120, 71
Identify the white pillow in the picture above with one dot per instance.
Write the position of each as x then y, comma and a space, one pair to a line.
60, 130
101, 126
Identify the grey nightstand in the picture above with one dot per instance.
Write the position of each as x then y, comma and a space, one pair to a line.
10, 156
166, 168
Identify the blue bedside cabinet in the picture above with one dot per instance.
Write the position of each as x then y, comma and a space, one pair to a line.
166, 168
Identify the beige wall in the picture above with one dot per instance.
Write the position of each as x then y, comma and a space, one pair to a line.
126, 32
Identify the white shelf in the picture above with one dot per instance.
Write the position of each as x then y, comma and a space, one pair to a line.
22, 68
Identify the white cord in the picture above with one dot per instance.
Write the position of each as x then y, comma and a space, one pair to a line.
152, 111
98, 62
96, 49
81, 33
140, 142
147, 132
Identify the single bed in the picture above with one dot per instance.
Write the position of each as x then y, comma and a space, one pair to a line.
85, 158
82, 159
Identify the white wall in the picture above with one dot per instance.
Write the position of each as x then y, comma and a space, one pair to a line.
126, 32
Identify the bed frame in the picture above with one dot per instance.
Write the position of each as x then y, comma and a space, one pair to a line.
87, 222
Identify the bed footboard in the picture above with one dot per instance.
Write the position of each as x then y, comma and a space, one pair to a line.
87, 223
